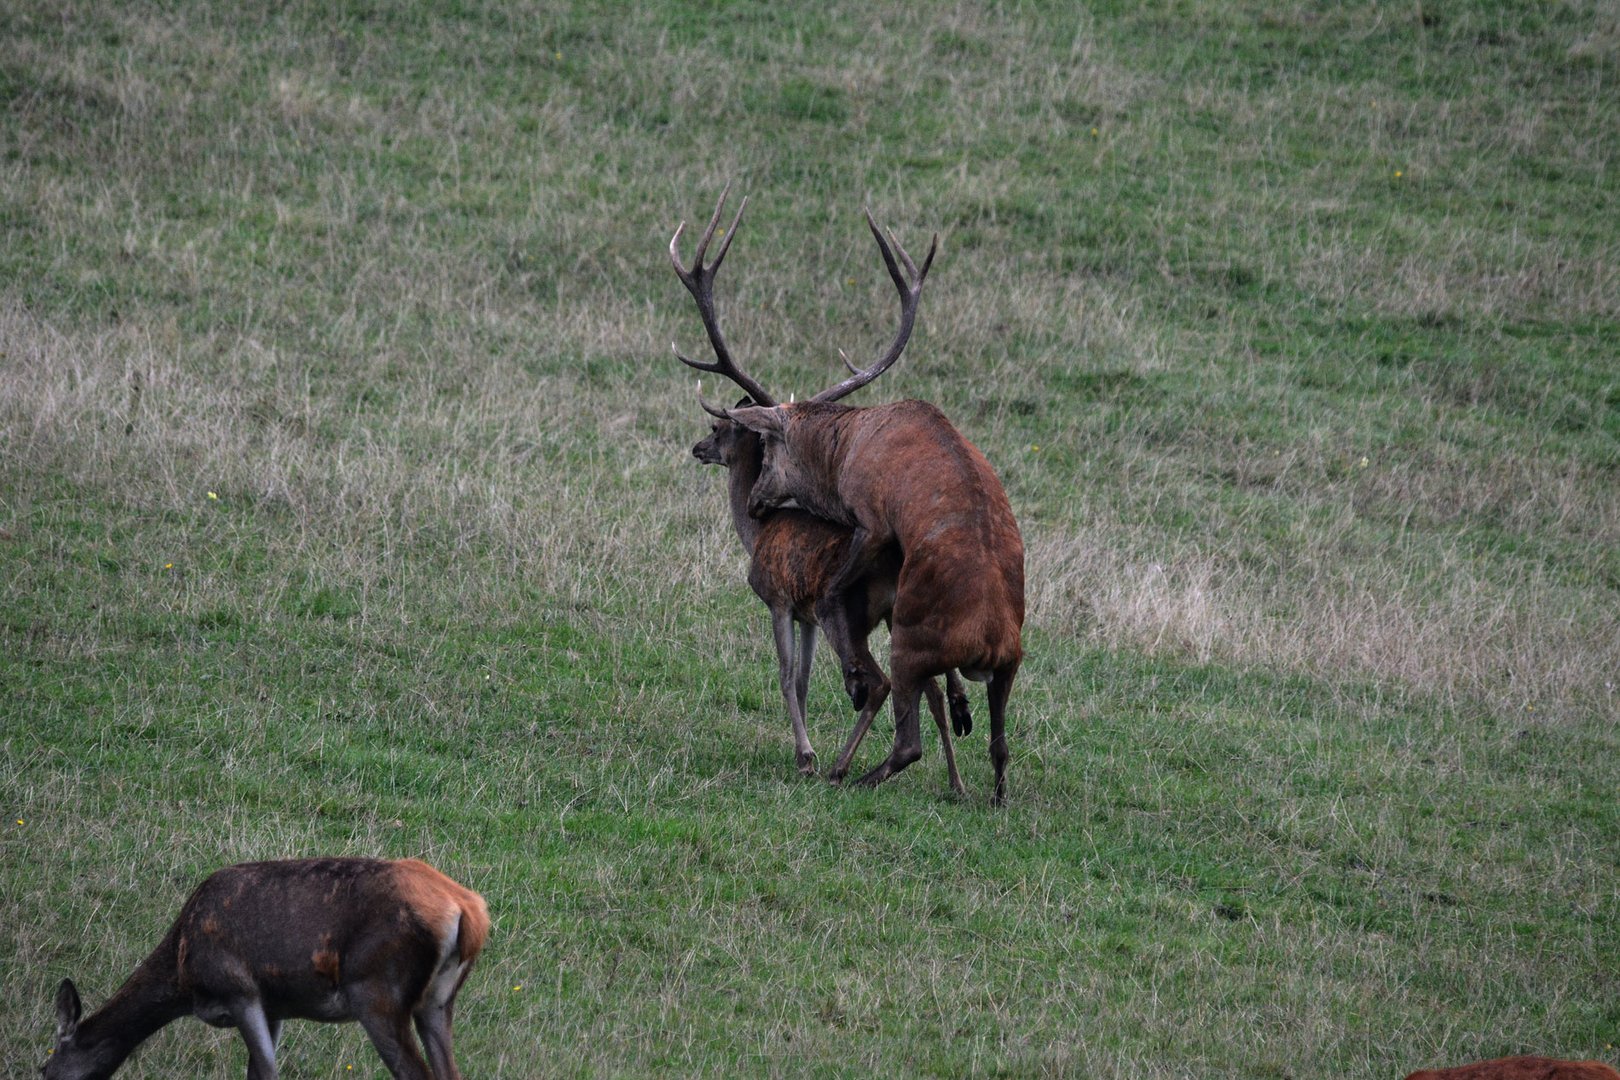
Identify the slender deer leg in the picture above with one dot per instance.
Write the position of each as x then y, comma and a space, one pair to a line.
936, 705
999, 689
801, 678
845, 619
907, 738
863, 724
961, 715
261, 1044
390, 1033
433, 1025
782, 629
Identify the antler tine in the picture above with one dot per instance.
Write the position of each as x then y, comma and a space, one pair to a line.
699, 281
717, 413
910, 295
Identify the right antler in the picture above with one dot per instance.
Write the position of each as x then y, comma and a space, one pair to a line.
699, 281
910, 294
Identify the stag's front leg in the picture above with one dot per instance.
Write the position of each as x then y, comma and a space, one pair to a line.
866, 545
961, 714
782, 626
845, 619
863, 724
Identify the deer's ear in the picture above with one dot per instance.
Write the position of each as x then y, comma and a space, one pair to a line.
758, 418
68, 1009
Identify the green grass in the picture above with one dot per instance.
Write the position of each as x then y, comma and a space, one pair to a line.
346, 507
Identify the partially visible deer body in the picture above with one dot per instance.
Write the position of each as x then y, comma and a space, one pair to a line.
1522, 1068
795, 556
901, 475
387, 944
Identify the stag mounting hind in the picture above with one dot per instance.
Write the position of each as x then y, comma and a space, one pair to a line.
901, 477
794, 556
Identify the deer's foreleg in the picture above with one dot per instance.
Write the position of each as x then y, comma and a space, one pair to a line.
794, 683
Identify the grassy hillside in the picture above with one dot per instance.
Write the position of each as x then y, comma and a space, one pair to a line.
346, 507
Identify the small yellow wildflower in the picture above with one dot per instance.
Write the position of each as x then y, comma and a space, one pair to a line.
516, 988
1094, 131
1399, 174
1034, 448
168, 566
213, 496
1364, 461
19, 821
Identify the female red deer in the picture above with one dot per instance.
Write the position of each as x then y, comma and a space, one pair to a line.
387, 944
794, 557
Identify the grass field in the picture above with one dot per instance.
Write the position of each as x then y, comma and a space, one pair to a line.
346, 508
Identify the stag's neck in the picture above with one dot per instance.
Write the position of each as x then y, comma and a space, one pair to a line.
743, 473
828, 430
148, 1000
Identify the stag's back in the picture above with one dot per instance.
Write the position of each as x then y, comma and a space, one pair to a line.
904, 469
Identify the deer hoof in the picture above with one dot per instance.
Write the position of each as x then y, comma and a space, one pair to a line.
961, 717
806, 763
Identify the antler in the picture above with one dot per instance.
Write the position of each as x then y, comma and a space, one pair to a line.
910, 294
699, 281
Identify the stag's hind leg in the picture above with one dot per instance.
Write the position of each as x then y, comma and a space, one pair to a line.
907, 748
999, 689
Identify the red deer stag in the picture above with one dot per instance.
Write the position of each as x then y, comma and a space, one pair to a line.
794, 555
900, 474
385, 943
1522, 1068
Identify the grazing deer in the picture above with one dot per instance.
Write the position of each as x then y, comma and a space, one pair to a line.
387, 944
900, 474
1522, 1068
794, 556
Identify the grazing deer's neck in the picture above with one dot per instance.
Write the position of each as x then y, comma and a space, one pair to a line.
148, 1000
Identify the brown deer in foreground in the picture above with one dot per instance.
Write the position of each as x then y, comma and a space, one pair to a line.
387, 944
794, 556
901, 475
1522, 1068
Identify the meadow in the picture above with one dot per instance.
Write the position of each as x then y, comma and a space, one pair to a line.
346, 507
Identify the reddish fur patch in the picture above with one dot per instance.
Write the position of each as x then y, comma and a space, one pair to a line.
436, 898
325, 961
1522, 1068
